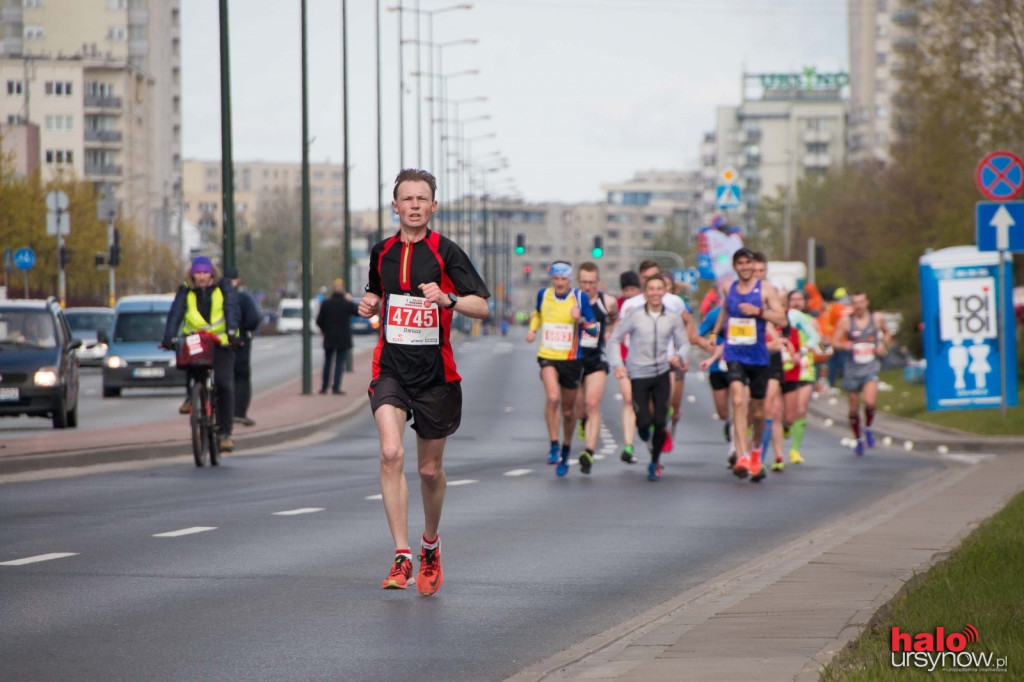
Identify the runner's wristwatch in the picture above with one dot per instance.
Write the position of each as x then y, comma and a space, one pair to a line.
454, 299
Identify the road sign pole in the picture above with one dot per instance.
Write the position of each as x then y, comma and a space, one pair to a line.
24, 278
61, 279
1002, 331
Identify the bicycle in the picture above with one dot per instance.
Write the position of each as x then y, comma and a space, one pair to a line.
195, 355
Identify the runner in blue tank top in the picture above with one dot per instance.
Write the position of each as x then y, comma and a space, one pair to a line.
749, 303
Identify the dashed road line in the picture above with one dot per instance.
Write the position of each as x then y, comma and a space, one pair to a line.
297, 512
378, 496
517, 472
185, 531
464, 481
37, 559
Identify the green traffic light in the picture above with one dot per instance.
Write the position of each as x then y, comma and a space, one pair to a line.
520, 250
597, 253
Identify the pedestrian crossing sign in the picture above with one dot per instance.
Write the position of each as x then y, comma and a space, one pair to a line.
728, 196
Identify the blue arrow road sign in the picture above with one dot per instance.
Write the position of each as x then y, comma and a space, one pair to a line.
728, 196
24, 259
1000, 225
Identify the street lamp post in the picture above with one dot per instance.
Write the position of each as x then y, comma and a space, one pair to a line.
442, 162
430, 37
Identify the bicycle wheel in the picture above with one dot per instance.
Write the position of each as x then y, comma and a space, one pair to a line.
198, 421
212, 429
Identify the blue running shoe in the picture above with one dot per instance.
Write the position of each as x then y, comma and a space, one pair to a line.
653, 472
869, 437
553, 456
859, 450
563, 465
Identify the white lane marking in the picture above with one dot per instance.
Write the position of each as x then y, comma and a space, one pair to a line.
185, 531
966, 458
509, 409
598, 458
296, 512
378, 496
465, 481
517, 472
37, 559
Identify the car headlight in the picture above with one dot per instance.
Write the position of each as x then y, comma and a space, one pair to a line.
45, 376
116, 362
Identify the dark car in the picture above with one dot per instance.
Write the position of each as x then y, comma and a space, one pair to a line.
38, 368
87, 324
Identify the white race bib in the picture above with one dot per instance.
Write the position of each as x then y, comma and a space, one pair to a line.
556, 336
863, 353
742, 331
588, 341
412, 321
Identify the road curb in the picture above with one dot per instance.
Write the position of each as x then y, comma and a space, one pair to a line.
18, 464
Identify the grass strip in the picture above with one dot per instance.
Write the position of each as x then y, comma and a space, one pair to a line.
981, 583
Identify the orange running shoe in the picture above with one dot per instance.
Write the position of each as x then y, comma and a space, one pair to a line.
430, 577
401, 571
742, 466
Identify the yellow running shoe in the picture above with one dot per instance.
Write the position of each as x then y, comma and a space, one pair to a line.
779, 465
794, 457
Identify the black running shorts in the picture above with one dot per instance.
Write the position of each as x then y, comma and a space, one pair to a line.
570, 372
719, 381
775, 364
437, 410
755, 376
591, 365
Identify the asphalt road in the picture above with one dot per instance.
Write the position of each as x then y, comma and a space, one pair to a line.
276, 359
533, 563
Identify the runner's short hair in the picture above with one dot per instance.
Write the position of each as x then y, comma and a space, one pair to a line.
590, 267
415, 174
647, 265
759, 257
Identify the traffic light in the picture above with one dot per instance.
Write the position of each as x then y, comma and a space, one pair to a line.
65, 256
527, 269
598, 250
101, 259
520, 244
819, 256
115, 250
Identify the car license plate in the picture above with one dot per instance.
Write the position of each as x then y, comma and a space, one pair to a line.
9, 394
148, 372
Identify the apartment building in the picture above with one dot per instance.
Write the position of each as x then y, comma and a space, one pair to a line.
258, 181
788, 125
102, 81
881, 32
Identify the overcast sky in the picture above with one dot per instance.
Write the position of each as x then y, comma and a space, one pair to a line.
579, 92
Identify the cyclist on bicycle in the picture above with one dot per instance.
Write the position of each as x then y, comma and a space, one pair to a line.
206, 302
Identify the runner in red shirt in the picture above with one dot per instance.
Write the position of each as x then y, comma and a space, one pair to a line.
417, 280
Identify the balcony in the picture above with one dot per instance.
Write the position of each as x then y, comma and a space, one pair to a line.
138, 16
906, 17
11, 47
102, 170
106, 136
11, 15
752, 158
102, 102
904, 44
817, 161
812, 136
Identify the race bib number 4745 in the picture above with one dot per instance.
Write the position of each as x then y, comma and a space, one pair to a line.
412, 321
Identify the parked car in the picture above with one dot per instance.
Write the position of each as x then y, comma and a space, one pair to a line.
38, 369
134, 357
86, 324
289, 316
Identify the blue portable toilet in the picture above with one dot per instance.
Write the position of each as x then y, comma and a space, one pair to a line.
960, 307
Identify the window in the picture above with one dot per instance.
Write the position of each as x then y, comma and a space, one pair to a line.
212, 171
212, 188
817, 148
881, 31
32, 4
116, 33
880, 112
58, 88
117, 4
14, 87
880, 85
318, 175
880, 59
33, 33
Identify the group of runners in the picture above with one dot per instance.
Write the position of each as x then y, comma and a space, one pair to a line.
760, 366
759, 363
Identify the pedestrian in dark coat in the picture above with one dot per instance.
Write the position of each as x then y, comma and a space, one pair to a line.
335, 321
250, 324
